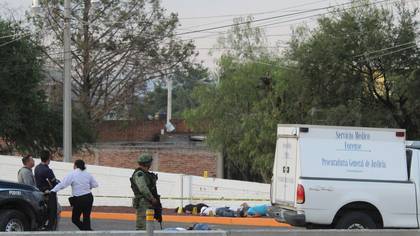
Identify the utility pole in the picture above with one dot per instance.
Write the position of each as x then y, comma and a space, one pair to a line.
67, 137
169, 105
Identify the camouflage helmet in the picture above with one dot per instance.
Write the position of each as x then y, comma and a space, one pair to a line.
145, 158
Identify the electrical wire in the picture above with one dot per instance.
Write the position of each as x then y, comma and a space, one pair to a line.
228, 48
385, 49
271, 18
223, 32
248, 14
392, 52
265, 26
272, 25
10, 36
252, 13
14, 40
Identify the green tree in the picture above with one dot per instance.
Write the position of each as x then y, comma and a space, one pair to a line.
356, 68
27, 122
244, 41
117, 47
240, 112
359, 66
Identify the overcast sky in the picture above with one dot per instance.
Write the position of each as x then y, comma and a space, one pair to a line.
199, 14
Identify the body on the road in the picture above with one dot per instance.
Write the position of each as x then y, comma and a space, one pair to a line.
25, 175
143, 183
82, 199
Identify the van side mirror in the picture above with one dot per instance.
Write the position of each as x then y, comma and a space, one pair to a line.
409, 156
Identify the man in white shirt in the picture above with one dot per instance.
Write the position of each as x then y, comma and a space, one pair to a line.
81, 183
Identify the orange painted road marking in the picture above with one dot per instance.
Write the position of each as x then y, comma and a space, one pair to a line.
264, 222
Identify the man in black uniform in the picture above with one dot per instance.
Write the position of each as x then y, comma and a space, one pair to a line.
45, 181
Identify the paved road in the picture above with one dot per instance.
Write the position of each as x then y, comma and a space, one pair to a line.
106, 225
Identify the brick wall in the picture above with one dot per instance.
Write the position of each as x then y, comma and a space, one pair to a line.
188, 162
119, 131
171, 160
176, 156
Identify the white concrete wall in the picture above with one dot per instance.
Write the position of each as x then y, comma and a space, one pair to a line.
175, 189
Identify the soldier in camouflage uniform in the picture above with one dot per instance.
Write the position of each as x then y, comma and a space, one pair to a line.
143, 184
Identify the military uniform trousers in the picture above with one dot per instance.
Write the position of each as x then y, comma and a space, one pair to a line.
141, 206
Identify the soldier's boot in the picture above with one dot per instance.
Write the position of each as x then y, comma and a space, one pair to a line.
141, 218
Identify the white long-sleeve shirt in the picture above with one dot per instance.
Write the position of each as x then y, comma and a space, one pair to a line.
81, 183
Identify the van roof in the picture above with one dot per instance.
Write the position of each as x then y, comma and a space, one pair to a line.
340, 127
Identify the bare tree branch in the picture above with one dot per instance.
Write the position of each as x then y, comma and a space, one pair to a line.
118, 49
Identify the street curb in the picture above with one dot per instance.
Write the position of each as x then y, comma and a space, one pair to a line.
263, 222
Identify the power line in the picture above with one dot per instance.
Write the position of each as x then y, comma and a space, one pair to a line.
385, 49
265, 26
252, 13
257, 13
14, 40
218, 34
10, 36
261, 26
248, 14
266, 63
322, 14
224, 32
229, 48
265, 19
392, 52
275, 65
273, 23
282, 16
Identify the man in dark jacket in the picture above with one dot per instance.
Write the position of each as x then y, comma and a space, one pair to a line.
45, 181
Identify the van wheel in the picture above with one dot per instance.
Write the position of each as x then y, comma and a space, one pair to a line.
12, 221
356, 220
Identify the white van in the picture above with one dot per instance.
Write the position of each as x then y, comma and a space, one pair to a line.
345, 178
